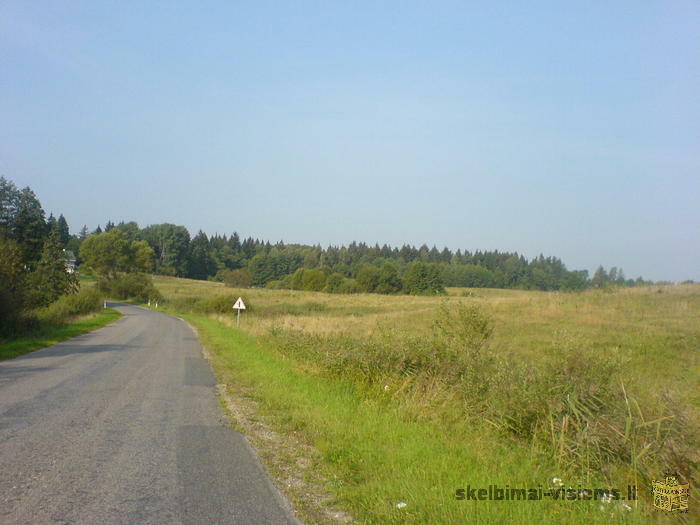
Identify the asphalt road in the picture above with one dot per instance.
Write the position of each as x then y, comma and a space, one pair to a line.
123, 426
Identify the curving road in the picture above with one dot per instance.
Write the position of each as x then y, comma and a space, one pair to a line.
123, 426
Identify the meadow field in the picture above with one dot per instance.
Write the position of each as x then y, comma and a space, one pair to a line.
379, 409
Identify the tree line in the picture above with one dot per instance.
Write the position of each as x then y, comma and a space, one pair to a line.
39, 286
358, 267
37, 255
33, 261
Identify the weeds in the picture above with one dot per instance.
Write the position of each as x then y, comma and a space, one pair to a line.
210, 304
572, 406
86, 301
588, 387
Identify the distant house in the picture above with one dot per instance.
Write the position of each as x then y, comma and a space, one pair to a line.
69, 258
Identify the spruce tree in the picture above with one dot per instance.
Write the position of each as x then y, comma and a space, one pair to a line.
51, 278
63, 230
51, 223
29, 227
201, 263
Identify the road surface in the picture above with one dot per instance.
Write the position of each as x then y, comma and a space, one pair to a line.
123, 426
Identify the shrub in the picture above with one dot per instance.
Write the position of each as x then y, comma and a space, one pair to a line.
334, 283
238, 278
368, 278
423, 279
137, 286
570, 404
219, 304
349, 286
216, 304
84, 302
389, 282
313, 280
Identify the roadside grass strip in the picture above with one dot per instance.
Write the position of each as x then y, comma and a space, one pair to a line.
382, 465
50, 336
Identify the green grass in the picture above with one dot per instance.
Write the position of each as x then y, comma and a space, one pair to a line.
599, 388
377, 455
51, 336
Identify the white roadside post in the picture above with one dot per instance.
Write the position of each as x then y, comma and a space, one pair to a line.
239, 306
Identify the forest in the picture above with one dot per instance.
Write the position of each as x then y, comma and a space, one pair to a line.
39, 255
358, 267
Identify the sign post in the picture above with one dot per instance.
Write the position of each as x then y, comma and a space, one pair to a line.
239, 306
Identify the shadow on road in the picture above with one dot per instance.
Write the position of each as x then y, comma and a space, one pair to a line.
63, 349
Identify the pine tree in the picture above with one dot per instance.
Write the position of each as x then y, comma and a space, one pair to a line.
51, 279
201, 263
600, 278
29, 227
51, 223
63, 231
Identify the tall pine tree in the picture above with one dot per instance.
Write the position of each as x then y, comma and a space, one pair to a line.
51, 278
29, 227
63, 231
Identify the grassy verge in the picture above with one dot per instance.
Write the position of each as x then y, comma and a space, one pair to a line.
378, 457
51, 336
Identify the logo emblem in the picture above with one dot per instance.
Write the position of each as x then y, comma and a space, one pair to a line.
670, 495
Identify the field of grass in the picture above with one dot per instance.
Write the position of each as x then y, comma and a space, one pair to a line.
51, 335
406, 399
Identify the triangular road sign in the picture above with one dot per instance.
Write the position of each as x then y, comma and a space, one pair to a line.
239, 305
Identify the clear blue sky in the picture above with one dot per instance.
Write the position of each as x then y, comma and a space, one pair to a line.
571, 129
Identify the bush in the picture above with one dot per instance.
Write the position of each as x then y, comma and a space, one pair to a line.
348, 286
334, 283
389, 282
217, 304
137, 286
313, 280
220, 304
238, 278
84, 302
368, 278
423, 279
570, 404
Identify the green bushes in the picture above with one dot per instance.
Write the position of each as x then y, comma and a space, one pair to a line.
337, 283
423, 279
221, 304
67, 306
418, 279
218, 304
573, 406
276, 285
240, 278
135, 286
306, 279
384, 280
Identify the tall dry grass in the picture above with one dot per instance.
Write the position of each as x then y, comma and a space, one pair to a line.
597, 382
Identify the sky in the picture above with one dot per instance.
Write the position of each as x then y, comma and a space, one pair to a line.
565, 128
